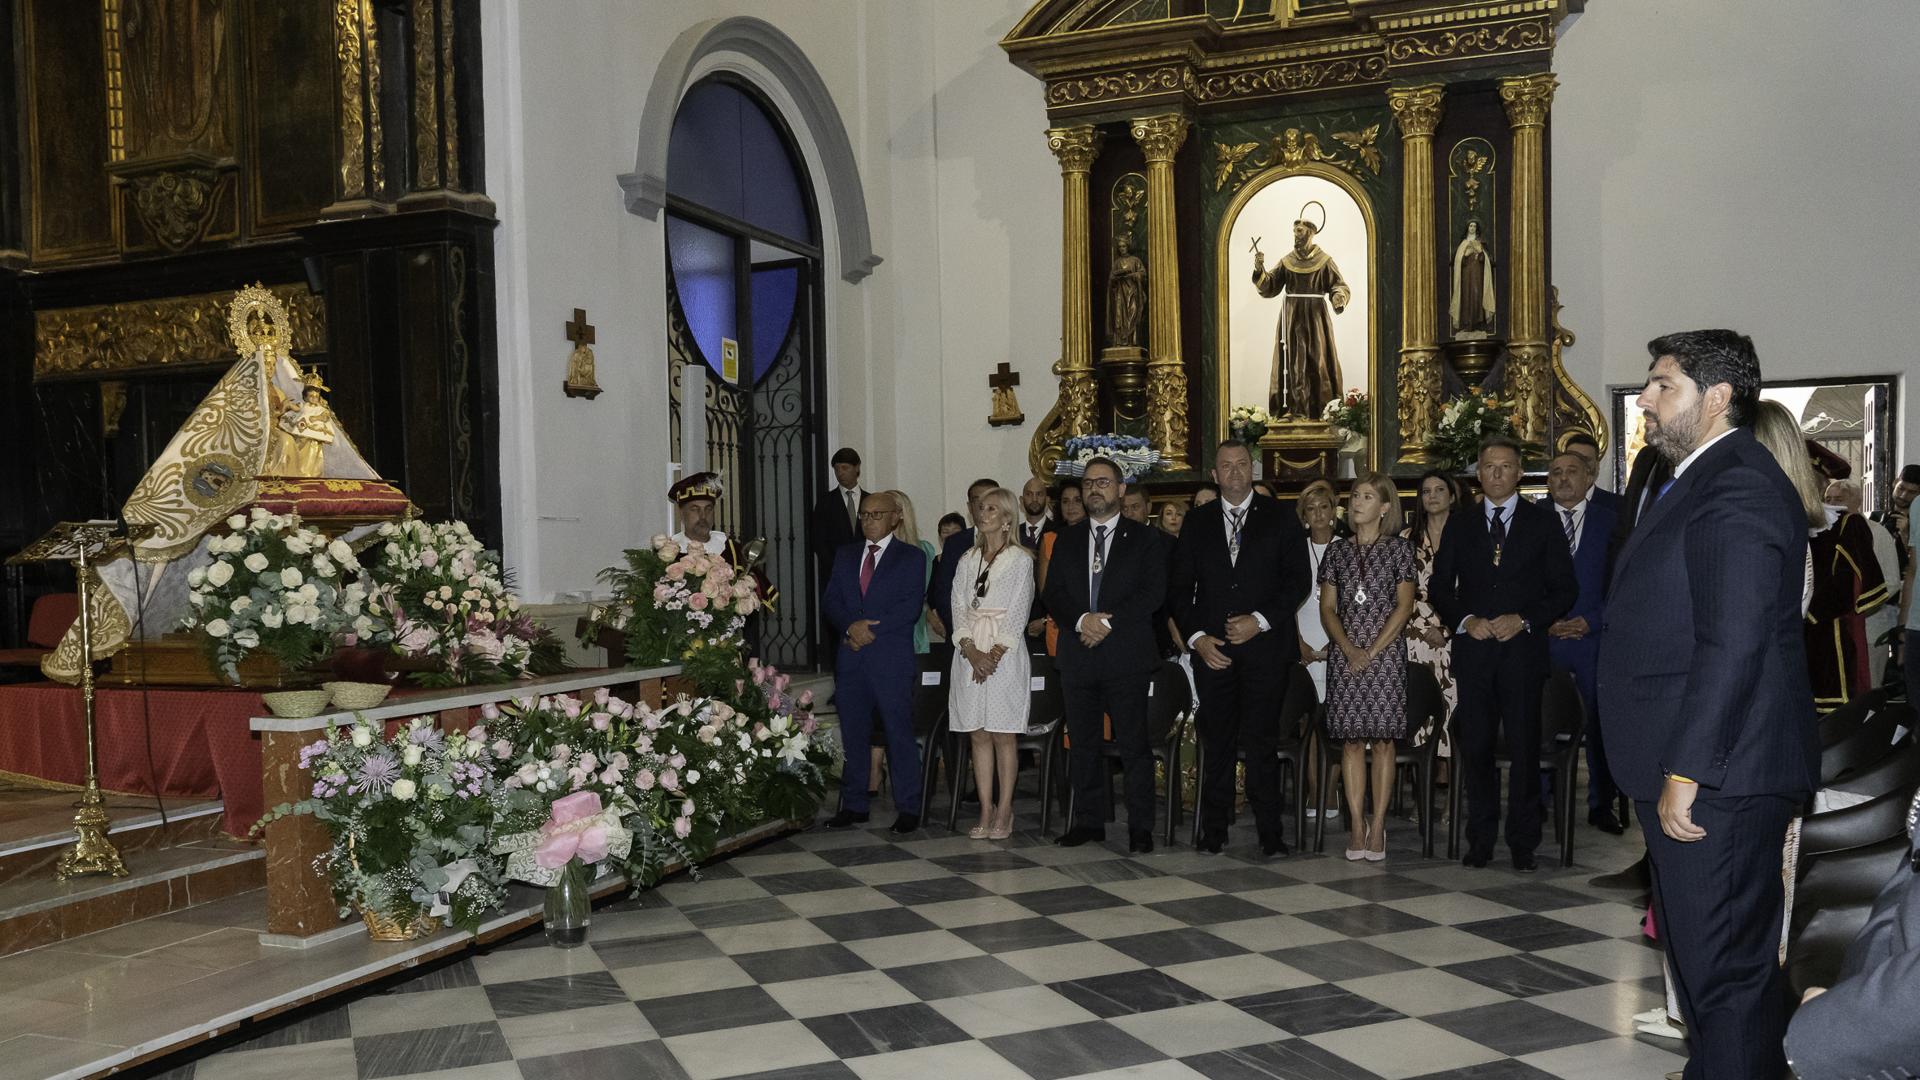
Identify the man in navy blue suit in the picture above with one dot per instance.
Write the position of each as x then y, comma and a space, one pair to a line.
1574, 639
1501, 577
1704, 696
873, 599
1588, 450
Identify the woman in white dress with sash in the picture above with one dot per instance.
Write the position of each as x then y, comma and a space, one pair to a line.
992, 594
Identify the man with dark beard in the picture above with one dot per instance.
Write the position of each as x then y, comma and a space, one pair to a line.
1705, 705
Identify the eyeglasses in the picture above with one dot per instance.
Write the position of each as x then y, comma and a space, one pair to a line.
1098, 482
876, 515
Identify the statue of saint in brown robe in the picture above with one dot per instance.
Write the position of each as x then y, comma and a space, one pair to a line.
1306, 366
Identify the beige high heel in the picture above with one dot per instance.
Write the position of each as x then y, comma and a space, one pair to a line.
1002, 831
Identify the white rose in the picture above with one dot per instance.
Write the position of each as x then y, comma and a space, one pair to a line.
197, 577
404, 790
237, 522
298, 545
218, 628
412, 755
323, 566
259, 513
247, 639
272, 618
362, 737
219, 574
291, 577
257, 561
341, 553
363, 626
242, 603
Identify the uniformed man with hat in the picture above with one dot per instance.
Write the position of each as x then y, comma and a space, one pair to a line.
696, 496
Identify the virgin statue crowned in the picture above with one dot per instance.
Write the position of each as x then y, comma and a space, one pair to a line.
1306, 366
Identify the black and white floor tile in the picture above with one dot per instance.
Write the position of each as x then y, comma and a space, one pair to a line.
859, 954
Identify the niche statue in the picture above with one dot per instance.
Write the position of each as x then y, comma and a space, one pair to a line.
1126, 295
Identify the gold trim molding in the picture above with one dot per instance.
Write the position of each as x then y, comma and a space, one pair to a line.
1293, 148
177, 331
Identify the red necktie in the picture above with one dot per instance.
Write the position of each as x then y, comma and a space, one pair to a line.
866, 568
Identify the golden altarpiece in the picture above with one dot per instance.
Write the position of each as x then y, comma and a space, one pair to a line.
1274, 203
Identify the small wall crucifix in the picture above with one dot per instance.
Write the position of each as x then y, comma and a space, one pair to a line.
1006, 408
580, 381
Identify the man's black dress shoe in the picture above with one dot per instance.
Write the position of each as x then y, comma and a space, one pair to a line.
906, 823
1080, 834
1139, 843
1476, 859
845, 818
1524, 863
1602, 818
1212, 843
1275, 848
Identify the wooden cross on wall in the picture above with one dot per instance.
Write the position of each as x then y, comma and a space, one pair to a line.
579, 331
1006, 408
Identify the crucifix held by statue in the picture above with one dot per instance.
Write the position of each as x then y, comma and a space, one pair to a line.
1306, 364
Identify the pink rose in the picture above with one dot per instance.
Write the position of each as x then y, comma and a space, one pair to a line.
677, 572
698, 601
683, 827
670, 780
643, 780
678, 761
429, 558
600, 695
601, 720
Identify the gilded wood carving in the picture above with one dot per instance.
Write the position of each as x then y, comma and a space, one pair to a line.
175, 331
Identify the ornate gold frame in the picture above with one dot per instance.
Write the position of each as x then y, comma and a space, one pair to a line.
1223, 375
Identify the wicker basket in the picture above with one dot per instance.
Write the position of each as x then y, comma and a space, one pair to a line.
384, 927
357, 695
296, 704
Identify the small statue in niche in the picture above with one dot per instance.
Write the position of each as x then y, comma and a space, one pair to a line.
580, 381
1306, 361
1126, 295
1471, 314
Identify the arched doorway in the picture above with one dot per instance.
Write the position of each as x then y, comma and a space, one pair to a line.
744, 347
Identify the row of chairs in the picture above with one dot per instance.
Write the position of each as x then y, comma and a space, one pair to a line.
1848, 852
1301, 719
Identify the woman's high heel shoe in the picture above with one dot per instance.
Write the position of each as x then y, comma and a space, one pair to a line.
1002, 829
978, 832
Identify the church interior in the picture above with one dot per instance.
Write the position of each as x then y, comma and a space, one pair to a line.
433, 400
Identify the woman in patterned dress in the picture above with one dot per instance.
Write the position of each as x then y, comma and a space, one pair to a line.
992, 594
1428, 639
1366, 598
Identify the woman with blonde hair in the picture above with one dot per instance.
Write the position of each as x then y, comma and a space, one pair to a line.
992, 594
1365, 601
908, 531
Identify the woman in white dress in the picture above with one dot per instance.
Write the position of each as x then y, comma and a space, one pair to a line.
992, 594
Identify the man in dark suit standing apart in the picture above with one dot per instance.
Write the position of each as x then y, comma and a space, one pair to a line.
834, 525
940, 587
1036, 514
874, 599
1239, 574
1574, 638
1108, 577
1501, 577
1704, 696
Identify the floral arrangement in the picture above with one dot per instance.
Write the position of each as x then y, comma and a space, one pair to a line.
1353, 412
276, 586
1135, 455
1466, 420
690, 609
437, 592
411, 818
1247, 423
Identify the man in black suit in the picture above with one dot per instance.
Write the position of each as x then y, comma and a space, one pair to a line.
835, 523
1501, 577
1107, 578
1704, 696
1240, 571
1036, 514
940, 587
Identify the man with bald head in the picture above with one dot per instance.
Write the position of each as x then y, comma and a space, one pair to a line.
1036, 514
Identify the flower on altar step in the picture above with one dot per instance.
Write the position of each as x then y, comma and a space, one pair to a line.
247, 639
576, 830
376, 772
256, 562
218, 628
412, 755
291, 577
405, 790
683, 827
362, 737
644, 780
219, 574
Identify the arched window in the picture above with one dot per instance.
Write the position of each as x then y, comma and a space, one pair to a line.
743, 267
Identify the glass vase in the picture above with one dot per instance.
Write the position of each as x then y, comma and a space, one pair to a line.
569, 906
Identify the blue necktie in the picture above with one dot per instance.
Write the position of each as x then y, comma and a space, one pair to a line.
1664, 487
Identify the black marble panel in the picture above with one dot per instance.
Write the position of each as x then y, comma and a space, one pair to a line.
885, 1030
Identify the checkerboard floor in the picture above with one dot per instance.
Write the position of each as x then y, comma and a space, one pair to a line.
858, 954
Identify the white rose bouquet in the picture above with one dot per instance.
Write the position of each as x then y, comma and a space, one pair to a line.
273, 585
412, 820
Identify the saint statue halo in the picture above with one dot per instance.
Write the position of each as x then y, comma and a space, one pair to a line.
1302, 219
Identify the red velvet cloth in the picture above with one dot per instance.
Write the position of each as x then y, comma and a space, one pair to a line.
202, 748
324, 498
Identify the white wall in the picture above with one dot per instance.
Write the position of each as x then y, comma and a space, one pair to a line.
1740, 164
963, 202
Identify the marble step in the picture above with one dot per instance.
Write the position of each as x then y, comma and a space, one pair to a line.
39, 909
35, 831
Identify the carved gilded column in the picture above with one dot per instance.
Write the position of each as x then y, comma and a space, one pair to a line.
1076, 147
1417, 109
362, 171
1160, 138
1529, 378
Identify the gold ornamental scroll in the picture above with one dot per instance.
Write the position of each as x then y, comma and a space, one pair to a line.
1075, 412
1160, 138
1529, 365
1417, 109
175, 331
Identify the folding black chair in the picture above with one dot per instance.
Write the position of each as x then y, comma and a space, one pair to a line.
1296, 716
